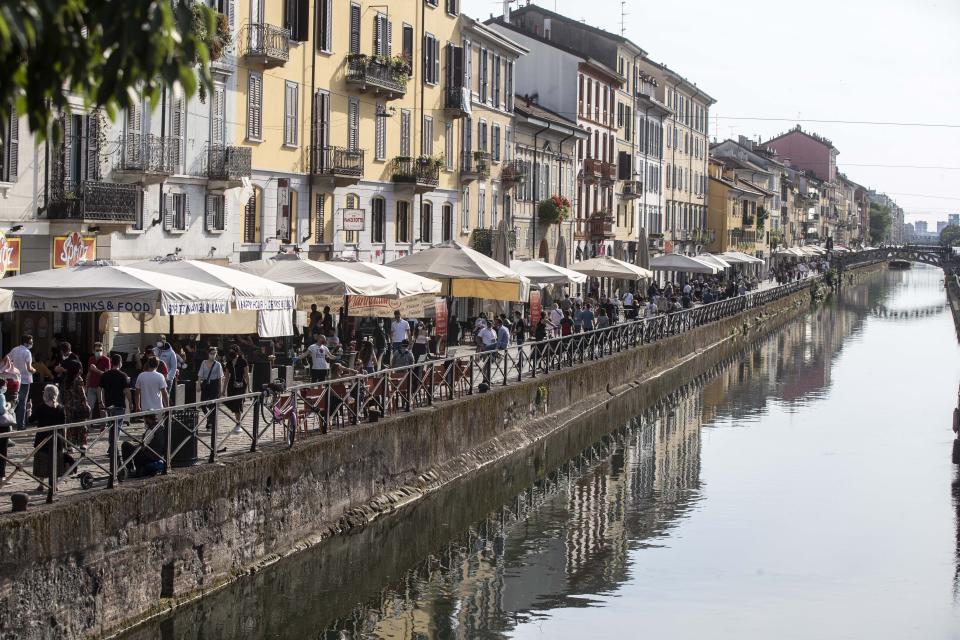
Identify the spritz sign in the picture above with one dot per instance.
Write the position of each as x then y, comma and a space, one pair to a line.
71, 250
9, 254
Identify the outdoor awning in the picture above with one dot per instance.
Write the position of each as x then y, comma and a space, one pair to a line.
465, 273
716, 261
102, 286
408, 284
6, 300
607, 267
738, 257
681, 263
542, 272
260, 306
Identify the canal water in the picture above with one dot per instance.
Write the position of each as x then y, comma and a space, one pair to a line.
804, 490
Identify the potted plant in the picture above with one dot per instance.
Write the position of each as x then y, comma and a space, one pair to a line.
554, 209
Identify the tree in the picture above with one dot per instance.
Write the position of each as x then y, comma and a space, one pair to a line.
101, 52
880, 222
950, 236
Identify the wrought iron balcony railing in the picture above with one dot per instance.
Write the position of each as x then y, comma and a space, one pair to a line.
475, 165
379, 74
94, 201
147, 153
266, 44
513, 173
601, 225
423, 173
228, 163
632, 189
337, 162
456, 101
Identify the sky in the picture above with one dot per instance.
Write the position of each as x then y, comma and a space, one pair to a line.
851, 60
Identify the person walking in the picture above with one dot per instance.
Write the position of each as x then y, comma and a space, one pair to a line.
49, 413
421, 341
399, 331
519, 328
556, 315
165, 353
237, 382
151, 386
22, 358
210, 376
75, 404
320, 358
114, 389
97, 365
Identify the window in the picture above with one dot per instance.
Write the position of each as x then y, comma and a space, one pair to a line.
452, 7
482, 136
483, 75
405, 133
407, 45
446, 232
353, 124
495, 142
139, 214
354, 28
321, 126
176, 211
509, 87
481, 206
286, 210
426, 222
448, 145
508, 145
431, 59
290, 106
589, 112
403, 221
215, 212
296, 18
580, 95
378, 220
351, 201
251, 218
493, 208
255, 106
380, 144
465, 211
218, 116
619, 114
10, 150
382, 35
320, 214
496, 81
177, 126
324, 35
427, 136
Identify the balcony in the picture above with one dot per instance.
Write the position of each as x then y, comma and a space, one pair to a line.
608, 173
456, 102
474, 166
266, 45
387, 79
145, 159
739, 237
337, 166
422, 173
632, 189
599, 171
747, 220
94, 201
227, 166
513, 173
601, 225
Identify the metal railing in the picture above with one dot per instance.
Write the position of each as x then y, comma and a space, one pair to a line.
228, 162
148, 153
375, 72
107, 451
337, 161
95, 201
514, 172
418, 171
269, 43
475, 163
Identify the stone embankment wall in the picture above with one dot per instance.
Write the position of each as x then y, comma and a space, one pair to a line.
953, 296
90, 564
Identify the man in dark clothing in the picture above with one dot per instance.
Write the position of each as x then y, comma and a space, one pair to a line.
519, 327
115, 388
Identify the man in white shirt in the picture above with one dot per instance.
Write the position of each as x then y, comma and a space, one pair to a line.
556, 315
488, 338
399, 331
652, 308
687, 289
628, 299
151, 390
22, 359
168, 356
319, 359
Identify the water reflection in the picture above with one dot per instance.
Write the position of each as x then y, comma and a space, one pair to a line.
512, 552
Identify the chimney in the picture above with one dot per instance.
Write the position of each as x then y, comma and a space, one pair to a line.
506, 11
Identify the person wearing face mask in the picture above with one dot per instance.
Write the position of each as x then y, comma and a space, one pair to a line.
97, 364
168, 356
210, 377
22, 359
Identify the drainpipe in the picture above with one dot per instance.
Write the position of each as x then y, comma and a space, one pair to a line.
697, 93
163, 142
536, 185
311, 160
560, 164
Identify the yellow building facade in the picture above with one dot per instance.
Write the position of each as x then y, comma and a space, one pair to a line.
732, 212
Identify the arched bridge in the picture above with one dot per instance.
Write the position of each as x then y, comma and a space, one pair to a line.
935, 255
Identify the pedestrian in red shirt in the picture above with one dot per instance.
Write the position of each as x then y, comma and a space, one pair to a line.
96, 365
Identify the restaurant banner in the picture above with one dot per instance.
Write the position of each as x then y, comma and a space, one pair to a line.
71, 250
419, 306
9, 254
440, 326
536, 309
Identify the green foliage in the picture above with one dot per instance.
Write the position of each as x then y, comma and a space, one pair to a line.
482, 240
553, 210
101, 52
880, 222
762, 216
950, 236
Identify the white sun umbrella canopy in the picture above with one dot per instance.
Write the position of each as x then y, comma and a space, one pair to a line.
106, 287
259, 305
541, 272
607, 267
466, 273
416, 295
716, 261
737, 257
682, 263
6, 300
408, 284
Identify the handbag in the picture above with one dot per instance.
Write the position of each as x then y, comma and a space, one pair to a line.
208, 384
956, 451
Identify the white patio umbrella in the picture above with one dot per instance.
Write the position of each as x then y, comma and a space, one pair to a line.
408, 284
312, 279
738, 257
465, 273
103, 286
6, 300
417, 295
542, 272
260, 306
716, 261
607, 267
682, 263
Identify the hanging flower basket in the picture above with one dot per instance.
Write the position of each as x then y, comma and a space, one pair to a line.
553, 210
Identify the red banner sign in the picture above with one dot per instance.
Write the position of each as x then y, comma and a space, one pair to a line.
536, 309
440, 328
71, 250
9, 254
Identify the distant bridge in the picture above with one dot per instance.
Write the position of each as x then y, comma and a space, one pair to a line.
935, 255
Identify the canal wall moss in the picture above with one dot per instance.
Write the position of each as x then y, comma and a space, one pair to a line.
93, 563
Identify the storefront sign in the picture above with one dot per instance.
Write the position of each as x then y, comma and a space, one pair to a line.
440, 326
421, 306
9, 254
38, 304
353, 219
536, 309
264, 304
71, 250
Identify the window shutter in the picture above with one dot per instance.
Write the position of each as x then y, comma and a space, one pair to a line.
508, 144
184, 221
377, 37
468, 66
328, 27
12, 149
254, 104
217, 135
436, 60
176, 129
302, 27
167, 209
405, 133
354, 28
389, 43
380, 146
92, 169
211, 206
354, 124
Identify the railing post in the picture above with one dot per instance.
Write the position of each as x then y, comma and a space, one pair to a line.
168, 454
113, 442
54, 466
212, 423
257, 406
